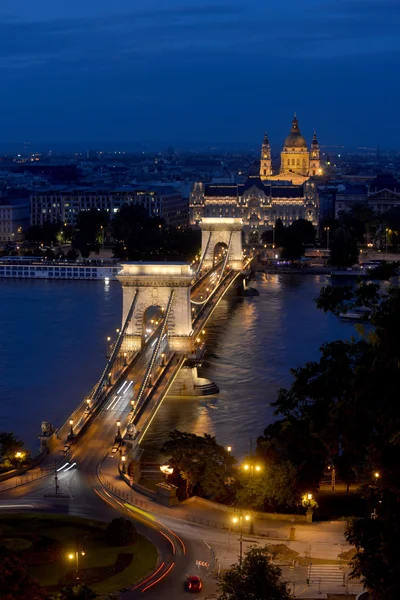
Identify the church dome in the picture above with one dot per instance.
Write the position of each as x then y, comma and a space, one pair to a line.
295, 139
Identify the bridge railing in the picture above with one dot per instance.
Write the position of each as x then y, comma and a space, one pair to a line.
116, 349
155, 351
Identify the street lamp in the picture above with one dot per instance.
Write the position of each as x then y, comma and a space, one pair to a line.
239, 520
376, 475
71, 431
119, 429
88, 403
75, 555
229, 448
123, 459
250, 468
327, 229
125, 355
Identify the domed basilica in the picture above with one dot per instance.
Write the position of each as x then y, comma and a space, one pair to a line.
297, 162
264, 198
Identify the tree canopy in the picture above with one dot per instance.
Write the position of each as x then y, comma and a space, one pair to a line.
348, 403
256, 578
204, 466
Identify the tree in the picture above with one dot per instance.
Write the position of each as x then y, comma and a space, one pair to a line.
343, 247
141, 237
15, 583
369, 436
121, 532
76, 592
275, 486
256, 578
89, 231
204, 466
44, 234
10, 445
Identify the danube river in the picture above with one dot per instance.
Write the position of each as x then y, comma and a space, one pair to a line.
53, 343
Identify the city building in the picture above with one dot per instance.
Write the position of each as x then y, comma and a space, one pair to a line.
260, 204
63, 204
380, 194
298, 163
14, 218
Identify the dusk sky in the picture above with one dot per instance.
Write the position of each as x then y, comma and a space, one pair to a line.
200, 72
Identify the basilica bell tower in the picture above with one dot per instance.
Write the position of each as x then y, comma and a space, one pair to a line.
315, 160
265, 162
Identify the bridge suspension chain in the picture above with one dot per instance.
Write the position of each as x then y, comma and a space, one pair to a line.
203, 257
116, 349
155, 351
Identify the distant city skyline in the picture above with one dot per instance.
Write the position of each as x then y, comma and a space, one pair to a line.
172, 73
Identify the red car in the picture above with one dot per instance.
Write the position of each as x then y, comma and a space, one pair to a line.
193, 583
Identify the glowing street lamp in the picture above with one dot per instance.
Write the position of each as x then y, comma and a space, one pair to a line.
71, 431
125, 355
75, 555
239, 520
123, 459
119, 430
229, 448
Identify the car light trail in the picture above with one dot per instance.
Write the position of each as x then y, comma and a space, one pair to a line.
70, 467
159, 579
63, 467
150, 577
16, 505
109, 404
122, 387
170, 541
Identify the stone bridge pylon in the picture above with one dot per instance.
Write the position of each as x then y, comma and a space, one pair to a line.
221, 232
154, 283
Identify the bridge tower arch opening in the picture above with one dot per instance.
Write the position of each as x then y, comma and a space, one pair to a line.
220, 250
222, 231
155, 283
152, 317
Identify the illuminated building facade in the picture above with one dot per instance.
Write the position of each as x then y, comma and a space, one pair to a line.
261, 201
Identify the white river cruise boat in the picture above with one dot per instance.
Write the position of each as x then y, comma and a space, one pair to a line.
19, 267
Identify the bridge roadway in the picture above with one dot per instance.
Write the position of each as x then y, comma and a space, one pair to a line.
86, 496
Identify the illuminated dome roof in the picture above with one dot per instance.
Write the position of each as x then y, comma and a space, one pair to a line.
295, 139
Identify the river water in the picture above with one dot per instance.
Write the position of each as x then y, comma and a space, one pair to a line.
53, 343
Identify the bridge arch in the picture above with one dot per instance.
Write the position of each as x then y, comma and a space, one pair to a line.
157, 284
224, 231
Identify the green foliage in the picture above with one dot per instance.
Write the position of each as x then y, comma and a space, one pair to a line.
121, 532
89, 231
76, 592
343, 247
256, 578
15, 583
354, 389
204, 466
46, 234
292, 239
274, 486
9, 446
140, 237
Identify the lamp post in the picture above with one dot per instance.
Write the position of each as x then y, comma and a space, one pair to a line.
118, 430
123, 460
327, 229
88, 404
75, 555
252, 469
125, 355
239, 520
229, 448
71, 430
